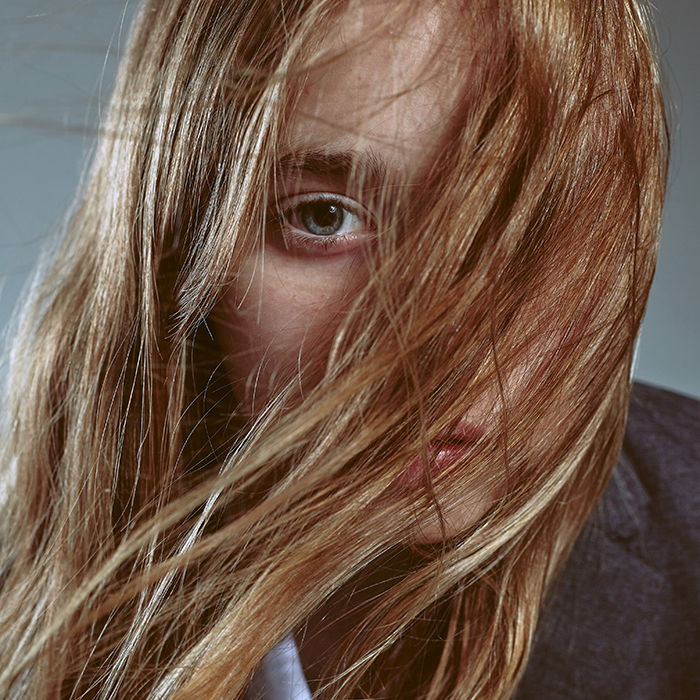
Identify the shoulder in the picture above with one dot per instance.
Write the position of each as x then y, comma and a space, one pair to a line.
663, 433
661, 454
623, 620
656, 482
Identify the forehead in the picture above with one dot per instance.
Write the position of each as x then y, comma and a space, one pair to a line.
393, 91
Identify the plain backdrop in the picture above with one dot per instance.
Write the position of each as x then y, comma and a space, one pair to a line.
57, 67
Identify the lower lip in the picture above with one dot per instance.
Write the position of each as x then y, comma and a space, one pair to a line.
442, 455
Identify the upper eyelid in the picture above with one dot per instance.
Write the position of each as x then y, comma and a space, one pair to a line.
286, 203
302, 181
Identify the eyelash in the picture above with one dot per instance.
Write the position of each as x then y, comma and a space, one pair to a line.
294, 238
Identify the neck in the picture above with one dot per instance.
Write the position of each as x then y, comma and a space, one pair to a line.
323, 635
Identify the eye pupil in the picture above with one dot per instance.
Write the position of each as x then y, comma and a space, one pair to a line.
322, 218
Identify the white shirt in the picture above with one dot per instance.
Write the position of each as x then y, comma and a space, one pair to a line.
280, 675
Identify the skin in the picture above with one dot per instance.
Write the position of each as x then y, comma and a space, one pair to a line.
392, 95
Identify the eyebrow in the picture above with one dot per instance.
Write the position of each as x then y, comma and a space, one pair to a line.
341, 165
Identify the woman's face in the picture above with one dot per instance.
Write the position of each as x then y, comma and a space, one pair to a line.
388, 105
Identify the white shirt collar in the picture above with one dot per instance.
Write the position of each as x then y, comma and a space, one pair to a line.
280, 675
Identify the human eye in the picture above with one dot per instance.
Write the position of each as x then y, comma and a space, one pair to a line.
323, 222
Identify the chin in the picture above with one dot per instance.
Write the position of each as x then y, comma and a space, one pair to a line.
456, 520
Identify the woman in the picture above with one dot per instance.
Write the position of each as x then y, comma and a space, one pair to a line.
338, 344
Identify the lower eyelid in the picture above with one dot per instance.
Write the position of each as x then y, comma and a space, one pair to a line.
341, 243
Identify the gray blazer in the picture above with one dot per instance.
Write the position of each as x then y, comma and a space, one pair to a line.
623, 620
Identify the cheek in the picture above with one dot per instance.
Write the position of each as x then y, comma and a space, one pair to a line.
279, 316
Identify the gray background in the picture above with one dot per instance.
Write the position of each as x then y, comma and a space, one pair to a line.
58, 62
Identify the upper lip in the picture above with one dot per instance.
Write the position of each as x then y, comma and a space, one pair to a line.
464, 433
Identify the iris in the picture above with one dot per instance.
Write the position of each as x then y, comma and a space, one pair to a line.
322, 218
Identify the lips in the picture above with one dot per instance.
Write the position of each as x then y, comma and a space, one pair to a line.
443, 452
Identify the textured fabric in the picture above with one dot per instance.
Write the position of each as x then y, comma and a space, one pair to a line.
623, 621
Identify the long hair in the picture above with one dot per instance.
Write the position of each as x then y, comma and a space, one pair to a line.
158, 539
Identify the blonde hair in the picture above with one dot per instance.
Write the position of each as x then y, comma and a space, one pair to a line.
157, 541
